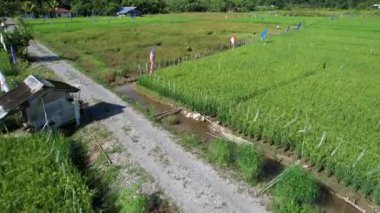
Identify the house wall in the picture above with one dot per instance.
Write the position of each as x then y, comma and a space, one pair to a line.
62, 15
58, 109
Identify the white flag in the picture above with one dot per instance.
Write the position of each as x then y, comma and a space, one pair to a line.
3, 83
233, 41
2, 42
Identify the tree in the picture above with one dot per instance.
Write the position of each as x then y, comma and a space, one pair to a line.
28, 7
49, 6
19, 38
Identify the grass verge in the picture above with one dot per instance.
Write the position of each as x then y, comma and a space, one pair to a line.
37, 174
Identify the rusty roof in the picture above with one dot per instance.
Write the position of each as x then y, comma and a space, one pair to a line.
61, 10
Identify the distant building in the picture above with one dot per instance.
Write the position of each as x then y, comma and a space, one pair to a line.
41, 102
62, 12
130, 11
377, 5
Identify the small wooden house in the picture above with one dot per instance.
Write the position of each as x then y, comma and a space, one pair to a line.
42, 102
62, 12
130, 11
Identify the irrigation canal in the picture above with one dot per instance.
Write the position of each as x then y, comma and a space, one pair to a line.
329, 202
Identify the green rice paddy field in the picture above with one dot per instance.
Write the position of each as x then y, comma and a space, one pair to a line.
313, 90
106, 47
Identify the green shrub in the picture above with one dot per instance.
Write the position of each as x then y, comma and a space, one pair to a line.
130, 201
19, 38
290, 207
297, 186
249, 162
221, 152
376, 195
190, 141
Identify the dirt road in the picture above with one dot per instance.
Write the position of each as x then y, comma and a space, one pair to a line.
192, 184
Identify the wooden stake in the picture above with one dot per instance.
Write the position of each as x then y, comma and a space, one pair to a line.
101, 148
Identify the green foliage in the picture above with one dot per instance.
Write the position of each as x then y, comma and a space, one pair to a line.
190, 142
16, 73
249, 161
103, 7
130, 201
19, 38
290, 207
296, 186
376, 195
221, 152
37, 175
5, 64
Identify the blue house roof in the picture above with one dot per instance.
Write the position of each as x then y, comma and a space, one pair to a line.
125, 10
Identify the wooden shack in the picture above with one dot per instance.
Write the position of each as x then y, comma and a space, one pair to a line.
42, 103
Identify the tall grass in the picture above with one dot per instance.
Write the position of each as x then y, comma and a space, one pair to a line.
5, 64
221, 152
249, 161
131, 201
297, 186
37, 175
296, 191
244, 159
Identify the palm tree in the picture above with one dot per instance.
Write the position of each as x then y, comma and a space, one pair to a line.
50, 6
28, 7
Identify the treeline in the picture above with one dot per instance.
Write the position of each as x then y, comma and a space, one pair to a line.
109, 7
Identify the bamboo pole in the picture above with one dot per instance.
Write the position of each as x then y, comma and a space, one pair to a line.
101, 148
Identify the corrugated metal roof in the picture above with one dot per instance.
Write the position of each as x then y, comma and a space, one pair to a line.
32, 85
125, 10
12, 99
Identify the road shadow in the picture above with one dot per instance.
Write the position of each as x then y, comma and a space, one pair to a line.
96, 112
49, 58
101, 111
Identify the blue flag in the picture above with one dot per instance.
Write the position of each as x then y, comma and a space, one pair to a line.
13, 55
299, 26
264, 34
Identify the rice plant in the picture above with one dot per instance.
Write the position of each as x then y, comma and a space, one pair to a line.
312, 91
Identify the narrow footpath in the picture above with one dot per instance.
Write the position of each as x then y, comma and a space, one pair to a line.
192, 184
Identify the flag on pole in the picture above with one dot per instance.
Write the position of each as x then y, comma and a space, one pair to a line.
233, 41
299, 26
2, 42
152, 59
13, 55
264, 34
3, 83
